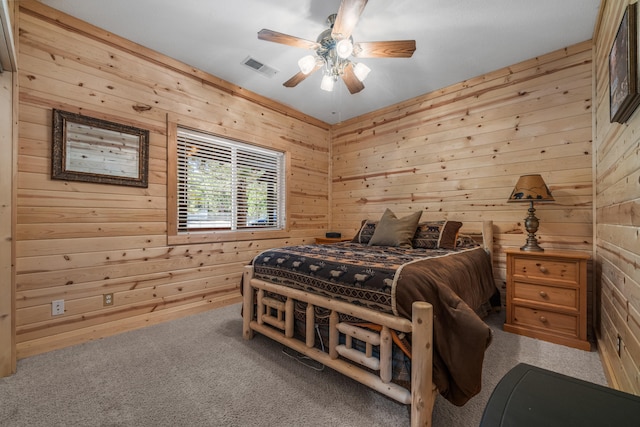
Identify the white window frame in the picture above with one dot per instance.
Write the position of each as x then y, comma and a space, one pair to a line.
275, 227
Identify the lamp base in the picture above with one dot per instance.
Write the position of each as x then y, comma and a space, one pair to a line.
531, 245
531, 224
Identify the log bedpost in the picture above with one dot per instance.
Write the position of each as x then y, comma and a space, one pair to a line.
487, 238
247, 303
422, 396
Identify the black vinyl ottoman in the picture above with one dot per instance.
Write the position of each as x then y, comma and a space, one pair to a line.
531, 396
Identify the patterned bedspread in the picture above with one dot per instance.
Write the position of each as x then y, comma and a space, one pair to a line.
364, 275
351, 272
456, 282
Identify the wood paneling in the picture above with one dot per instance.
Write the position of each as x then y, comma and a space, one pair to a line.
457, 153
8, 172
617, 198
77, 241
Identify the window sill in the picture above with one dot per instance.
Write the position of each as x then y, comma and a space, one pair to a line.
225, 236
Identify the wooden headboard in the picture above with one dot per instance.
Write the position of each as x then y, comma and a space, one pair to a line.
484, 236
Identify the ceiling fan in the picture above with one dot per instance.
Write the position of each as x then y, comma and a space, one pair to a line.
335, 46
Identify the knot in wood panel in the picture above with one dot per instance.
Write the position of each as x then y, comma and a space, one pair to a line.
141, 107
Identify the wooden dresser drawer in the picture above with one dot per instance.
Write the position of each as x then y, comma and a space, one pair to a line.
564, 297
548, 320
547, 269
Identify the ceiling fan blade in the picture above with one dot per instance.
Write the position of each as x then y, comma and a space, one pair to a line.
348, 15
348, 76
276, 37
299, 76
388, 49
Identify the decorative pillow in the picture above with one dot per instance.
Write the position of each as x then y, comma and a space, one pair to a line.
367, 227
394, 231
436, 234
464, 241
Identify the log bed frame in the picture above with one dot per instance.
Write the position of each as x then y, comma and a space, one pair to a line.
280, 327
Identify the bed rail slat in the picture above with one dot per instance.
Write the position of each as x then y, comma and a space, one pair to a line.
334, 335
288, 318
311, 323
386, 356
358, 333
357, 356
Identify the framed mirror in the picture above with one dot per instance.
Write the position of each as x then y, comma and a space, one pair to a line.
94, 150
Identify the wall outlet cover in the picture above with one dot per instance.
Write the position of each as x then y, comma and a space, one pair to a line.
57, 307
107, 299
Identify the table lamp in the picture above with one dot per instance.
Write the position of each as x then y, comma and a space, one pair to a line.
531, 188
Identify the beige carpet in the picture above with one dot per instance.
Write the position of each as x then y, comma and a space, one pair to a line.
198, 371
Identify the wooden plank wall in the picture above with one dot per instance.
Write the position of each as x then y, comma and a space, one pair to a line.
8, 171
457, 153
7, 168
617, 202
77, 241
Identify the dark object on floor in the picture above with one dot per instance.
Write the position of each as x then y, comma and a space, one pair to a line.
531, 396
496, 301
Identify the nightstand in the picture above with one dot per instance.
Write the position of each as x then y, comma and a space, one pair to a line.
547, 296
330, 240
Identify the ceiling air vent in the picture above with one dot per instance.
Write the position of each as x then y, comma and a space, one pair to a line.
258, 66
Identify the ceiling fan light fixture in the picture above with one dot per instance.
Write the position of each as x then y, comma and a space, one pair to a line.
344, 48
327, 83
307, 64
334, 48
361, 71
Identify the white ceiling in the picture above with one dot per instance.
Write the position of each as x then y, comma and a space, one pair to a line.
456, 40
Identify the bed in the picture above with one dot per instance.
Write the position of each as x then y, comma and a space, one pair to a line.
403, 320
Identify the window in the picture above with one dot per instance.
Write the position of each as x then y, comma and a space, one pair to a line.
227, 185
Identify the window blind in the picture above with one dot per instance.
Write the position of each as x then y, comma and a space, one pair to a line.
227, 185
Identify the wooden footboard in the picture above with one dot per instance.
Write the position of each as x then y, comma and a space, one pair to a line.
275, 319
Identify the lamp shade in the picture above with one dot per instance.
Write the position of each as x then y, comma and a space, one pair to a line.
361, 71
327, 83
531, 188
344, 48
307, 64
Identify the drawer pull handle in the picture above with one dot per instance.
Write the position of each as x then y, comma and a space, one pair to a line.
543, 268
543, 294
543, 319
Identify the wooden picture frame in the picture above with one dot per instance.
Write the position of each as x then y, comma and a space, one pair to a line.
623, 68
95, 150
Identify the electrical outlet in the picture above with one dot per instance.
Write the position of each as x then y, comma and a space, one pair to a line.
107, 299
57, 307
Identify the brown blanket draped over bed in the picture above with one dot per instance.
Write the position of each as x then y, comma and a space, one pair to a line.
460, 336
